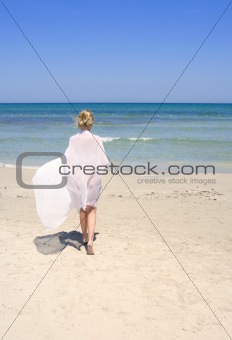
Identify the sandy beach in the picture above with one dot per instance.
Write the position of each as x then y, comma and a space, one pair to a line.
162, 267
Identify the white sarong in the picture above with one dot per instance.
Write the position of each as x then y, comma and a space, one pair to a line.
86, 151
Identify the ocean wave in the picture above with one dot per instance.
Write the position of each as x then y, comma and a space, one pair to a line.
176, 140
143, 138
111, 139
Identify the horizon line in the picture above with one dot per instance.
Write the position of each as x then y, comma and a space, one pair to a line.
79, 103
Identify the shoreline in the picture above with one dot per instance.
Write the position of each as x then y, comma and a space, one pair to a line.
194, 168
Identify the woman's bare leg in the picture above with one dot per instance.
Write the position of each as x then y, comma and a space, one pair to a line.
91, 223
84, 225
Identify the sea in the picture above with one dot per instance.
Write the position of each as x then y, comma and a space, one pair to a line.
169, 134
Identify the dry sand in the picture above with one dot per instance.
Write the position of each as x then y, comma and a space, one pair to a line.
164, 280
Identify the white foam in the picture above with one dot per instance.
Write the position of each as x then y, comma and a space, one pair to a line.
109, 139
143, 138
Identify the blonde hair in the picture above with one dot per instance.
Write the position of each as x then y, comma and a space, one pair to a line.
85, 118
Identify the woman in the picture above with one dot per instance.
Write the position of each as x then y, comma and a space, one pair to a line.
84, 155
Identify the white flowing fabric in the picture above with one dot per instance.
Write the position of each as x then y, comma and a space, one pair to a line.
53, 205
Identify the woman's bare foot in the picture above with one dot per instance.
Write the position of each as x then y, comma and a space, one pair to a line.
85, 239
90, 249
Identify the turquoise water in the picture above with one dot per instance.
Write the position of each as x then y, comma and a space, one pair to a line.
178, 134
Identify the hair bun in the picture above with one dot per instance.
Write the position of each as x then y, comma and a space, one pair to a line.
85, 118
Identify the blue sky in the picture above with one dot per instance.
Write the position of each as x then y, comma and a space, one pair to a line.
115, 51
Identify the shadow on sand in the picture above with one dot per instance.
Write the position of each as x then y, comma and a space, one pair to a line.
55, 243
